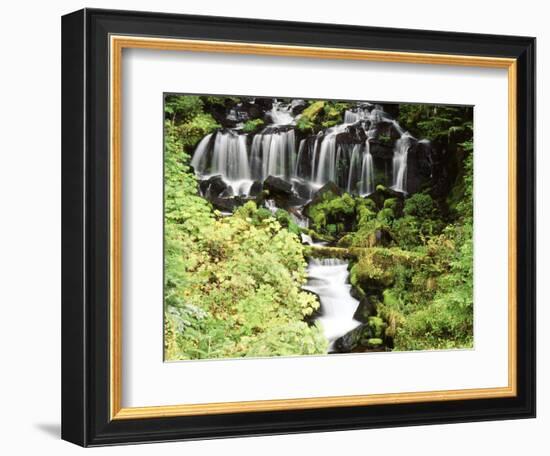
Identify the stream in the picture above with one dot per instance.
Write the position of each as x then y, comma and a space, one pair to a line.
328, 279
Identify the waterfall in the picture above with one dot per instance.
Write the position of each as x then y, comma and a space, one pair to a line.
340, 154
326, 164
199, 161
281, 114
301, 148
278, 152
256, 166
367, 172
327, 278
314, 155
400, 153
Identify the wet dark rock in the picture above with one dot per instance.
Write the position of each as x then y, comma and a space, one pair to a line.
224, 204
297, 106
391, 108
303, 166
419, 167
282, 193
255, 188
227, 193
353, 339
302, 189
213, 186
278, 187
381, 150
365, 309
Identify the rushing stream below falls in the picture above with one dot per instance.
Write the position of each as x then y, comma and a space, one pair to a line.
328, 279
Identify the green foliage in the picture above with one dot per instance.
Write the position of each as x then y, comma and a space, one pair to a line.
195, 129
286, 221
252, 126
425, 275
385, 140
321, 114
447, 125
333, 113
232, 284
307, 120
182, 108
333, 214
419, 205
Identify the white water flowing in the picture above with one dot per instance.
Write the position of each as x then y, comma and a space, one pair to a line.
278, 151
400, 154
327, 278
281, 114
326, 164
199, 157
335, 154
367, 172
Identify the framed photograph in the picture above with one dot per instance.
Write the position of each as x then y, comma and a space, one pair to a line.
278, 227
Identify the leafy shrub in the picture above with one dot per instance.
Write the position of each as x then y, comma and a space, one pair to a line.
232, 284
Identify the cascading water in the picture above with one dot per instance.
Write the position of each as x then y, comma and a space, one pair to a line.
400, 155
367, 172
327, 278
335, 154
340, 154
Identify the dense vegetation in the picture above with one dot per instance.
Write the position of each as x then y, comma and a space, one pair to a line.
233, 283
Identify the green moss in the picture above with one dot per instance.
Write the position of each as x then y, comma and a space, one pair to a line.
391, 203
385, 140
377, 326
374, 342
313, 110
420, 205
251, 126
284, 218
385, 215
333, 215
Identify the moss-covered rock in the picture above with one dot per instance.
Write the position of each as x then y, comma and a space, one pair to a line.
377, 268
365, 310
333, 215
377, 325
374, 342
328, 252
254, 125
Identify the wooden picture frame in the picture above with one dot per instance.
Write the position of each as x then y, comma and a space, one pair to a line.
92, 45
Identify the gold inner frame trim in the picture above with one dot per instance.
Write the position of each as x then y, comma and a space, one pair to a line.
117, 44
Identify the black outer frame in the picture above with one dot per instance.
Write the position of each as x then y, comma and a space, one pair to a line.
85, 227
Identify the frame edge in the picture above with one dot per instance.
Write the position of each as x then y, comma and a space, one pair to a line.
73, 303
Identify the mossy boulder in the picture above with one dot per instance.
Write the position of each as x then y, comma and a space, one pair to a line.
377, 325
328, 191
365, 310
332, 214
382, 193
395, 204
377, 268
375, 342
